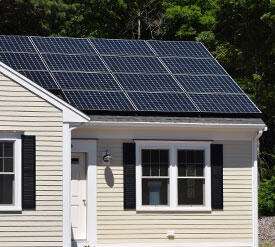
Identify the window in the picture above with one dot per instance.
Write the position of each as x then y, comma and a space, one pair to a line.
155, 179
10, 172
173, 176
191, 177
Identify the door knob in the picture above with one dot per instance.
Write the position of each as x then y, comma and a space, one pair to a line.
84, 201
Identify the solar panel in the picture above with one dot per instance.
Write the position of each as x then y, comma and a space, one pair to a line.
63, 45
16, 44
23, 61
224, 103
91, 100
180, 49
148, 83
193, 66
134, 64
205, 84
86, 81
162, 102
74, 69
122, 47
74, 62
42, 78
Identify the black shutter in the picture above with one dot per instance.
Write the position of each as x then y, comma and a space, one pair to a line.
129, 175
217, 176
28, 172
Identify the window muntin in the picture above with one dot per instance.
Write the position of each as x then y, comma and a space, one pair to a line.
7, 175
191, 180
155, 177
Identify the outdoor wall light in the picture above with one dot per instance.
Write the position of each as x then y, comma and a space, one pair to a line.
106, 156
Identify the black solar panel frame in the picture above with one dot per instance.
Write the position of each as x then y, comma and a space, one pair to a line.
148, 83
22, 44
68, 46
229, 101
179, 49
105, 97
86, 81
208, 84
130, 64
135, 47
193, 66
176, 100
47, 81
74, 62
27, 61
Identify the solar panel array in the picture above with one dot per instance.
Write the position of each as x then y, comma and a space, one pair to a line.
127, 75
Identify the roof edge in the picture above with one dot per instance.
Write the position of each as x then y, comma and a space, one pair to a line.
70, 113
103, 124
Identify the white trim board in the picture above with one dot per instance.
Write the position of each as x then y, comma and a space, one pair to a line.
17, 159
173, 148
70, 114
67, 235
89, 147
255, 142
122, 124
175, 134
198, 244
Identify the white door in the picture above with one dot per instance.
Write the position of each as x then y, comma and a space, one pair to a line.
78, 190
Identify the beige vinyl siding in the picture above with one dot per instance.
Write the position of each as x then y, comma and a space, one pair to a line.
234, 223
21, 110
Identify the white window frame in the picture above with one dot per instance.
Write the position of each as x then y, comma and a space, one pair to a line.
16, 139
173, 146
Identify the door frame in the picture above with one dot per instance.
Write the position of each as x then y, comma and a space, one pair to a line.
88, 146
82, 155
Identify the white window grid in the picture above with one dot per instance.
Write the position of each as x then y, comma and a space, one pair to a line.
173, 146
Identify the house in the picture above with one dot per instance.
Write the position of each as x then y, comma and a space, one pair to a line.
123, 143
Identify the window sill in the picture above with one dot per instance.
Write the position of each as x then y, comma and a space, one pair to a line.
10, 209
177, 209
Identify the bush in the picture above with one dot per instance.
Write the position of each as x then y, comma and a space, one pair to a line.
267, 197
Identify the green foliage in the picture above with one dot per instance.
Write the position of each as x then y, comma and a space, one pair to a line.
267, 197
185, 20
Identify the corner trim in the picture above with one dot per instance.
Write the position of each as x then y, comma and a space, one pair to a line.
66, 185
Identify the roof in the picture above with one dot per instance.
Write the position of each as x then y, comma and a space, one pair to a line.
70, 114
129, 77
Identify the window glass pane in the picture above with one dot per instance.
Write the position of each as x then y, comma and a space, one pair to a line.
155, 162
199, 156
181, 156
164, 170
190, 163
6, 188
1, 149
191, 170
145, 156
8, 149
190, 191
154, 169
145, 170
1, 164
155, 191
8, 164
200, 170
181, 170
164, 157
